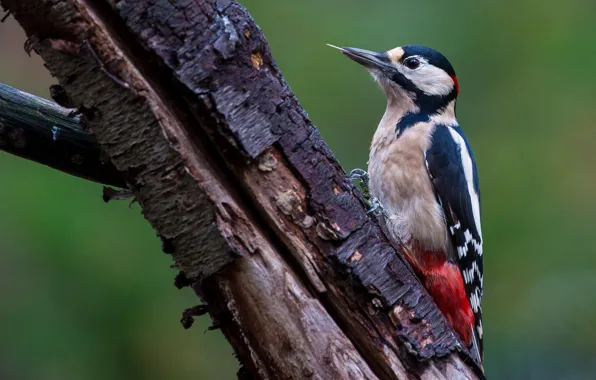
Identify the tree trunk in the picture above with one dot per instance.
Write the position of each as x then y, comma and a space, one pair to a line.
189, 105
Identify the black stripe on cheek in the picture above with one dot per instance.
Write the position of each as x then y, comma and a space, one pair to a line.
428, 104
404, 82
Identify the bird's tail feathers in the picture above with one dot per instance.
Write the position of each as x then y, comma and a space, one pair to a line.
475, 348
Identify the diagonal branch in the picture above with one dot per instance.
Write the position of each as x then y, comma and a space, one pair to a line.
44, 132
226, 165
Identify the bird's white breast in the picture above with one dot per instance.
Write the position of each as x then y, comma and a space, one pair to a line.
399, 179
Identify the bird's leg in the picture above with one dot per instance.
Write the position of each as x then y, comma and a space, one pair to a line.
374, 205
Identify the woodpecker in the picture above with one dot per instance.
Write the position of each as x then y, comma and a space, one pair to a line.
422, 171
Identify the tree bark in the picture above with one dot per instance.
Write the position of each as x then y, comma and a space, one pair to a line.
194, 113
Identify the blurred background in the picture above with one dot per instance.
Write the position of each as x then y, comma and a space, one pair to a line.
86, 293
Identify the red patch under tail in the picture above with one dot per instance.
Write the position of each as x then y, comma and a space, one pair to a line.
444, 281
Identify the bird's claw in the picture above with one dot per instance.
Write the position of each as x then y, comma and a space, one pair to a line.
359, 174
363, 180
376, 208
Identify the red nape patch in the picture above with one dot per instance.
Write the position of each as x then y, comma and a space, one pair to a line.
456, 83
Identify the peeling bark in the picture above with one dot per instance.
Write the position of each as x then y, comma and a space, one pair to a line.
194, 113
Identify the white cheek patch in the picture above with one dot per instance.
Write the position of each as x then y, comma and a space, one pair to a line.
429, 79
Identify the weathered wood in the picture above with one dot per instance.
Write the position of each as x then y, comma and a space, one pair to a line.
39, 130
228, 167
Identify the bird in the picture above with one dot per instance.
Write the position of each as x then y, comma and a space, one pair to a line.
422, 172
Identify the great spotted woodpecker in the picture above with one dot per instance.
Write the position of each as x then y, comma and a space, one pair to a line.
422, 172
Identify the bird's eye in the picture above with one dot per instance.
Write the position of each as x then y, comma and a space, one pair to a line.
412, 63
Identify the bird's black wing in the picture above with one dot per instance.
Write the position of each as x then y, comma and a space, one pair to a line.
451, 166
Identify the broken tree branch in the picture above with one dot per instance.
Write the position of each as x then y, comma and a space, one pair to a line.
42, 131
229, 169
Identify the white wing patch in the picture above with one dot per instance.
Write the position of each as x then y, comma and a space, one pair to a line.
469, 174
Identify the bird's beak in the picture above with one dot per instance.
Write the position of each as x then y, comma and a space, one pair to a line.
369, 59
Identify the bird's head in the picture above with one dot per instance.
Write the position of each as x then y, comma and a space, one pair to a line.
418, 73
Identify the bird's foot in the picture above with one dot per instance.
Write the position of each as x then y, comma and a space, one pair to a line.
374, 205
363, 181
359, 174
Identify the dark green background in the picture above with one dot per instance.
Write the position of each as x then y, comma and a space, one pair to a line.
85, 292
